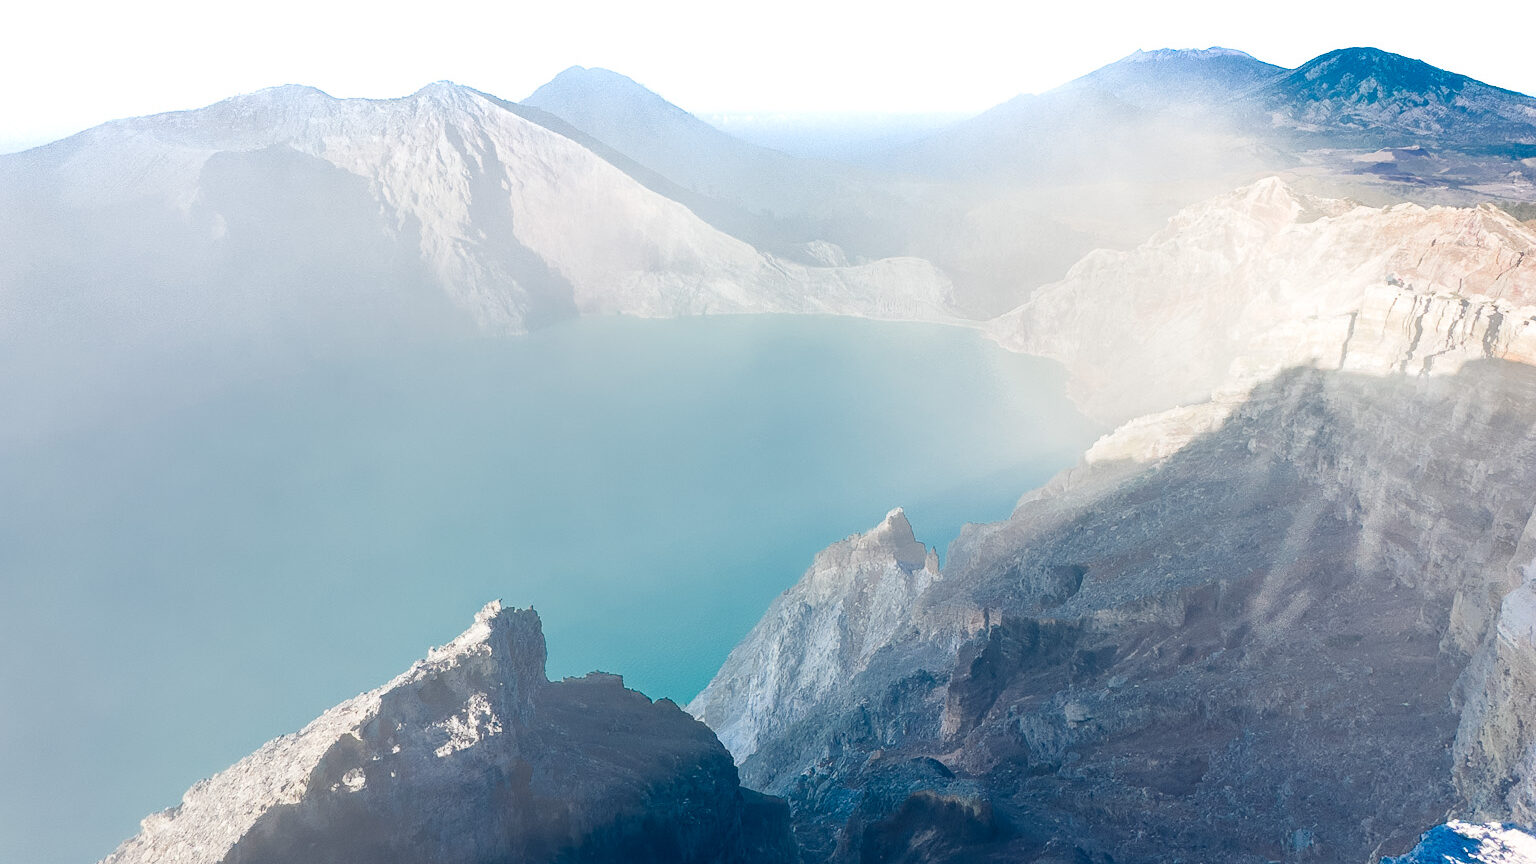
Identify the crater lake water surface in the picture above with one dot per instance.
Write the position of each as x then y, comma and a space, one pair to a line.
190, 575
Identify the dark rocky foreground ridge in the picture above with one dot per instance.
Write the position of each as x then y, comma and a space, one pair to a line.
474, 756
1233, 654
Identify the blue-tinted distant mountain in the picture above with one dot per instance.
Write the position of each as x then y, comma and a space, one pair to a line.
1103, 159
1151, 116
813, 210
760, 194
1212, 104
1177, 78
1391, 99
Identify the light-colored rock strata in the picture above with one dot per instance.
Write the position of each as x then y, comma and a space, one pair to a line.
818, 635
1238, 288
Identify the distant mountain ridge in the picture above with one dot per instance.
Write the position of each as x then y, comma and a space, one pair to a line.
1165, 77
1368, 89
996, 205
776, 198
444, 194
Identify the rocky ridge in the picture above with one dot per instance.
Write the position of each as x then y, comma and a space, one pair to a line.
473, 755
516, 223
823, 632
1377, 92
1262, 625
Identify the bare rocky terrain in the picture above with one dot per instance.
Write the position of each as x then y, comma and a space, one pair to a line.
473, 755
1287, 620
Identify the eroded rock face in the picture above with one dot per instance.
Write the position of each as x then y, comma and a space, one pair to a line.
817, 635
472, 755
1243, 651
1270, 624
1236, 289
1496, 745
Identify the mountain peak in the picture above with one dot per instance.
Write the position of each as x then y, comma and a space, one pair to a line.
280, 96
447, 92
1175, 77
1363, 88
366, 781
894, 537
590, 84
896, 525
1347, 66
1139, 56
507, 633
291, 91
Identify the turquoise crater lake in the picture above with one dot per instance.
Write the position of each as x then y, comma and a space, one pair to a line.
188, 577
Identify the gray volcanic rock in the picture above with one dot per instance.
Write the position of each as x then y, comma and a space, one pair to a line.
1268, 625
825, 629
1245, 650
473, 756
1496, 744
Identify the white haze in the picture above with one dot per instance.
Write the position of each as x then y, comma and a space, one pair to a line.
67, 66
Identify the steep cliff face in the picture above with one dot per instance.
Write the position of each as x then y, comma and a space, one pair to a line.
1246, 628
1237, 288
1466, 843
1496, 744
818, 635
472, 755
1245, 649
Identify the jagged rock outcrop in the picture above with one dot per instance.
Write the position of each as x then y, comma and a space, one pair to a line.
818, 635
1248, 628
1466, 843
473, 755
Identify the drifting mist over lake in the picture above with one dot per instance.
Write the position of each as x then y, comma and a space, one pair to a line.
648, 485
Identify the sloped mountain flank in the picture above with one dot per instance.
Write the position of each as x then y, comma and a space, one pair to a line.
1368, 89
446, 200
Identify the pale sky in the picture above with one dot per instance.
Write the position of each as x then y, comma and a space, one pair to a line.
67, 66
